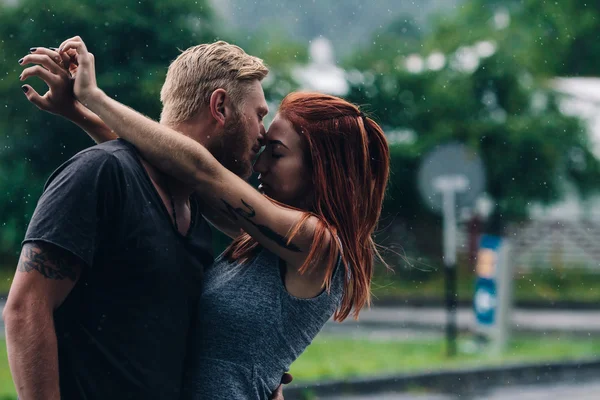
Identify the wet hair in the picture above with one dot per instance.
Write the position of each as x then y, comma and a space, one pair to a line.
200, 70
348, 156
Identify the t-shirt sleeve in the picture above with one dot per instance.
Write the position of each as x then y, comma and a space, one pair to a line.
79, 202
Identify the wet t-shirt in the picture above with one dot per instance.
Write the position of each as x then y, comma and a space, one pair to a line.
123, 330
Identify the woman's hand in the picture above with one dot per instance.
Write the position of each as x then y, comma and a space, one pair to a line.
57, 71
84, 75
52, 68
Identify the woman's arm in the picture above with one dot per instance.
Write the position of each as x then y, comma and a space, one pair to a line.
59, 99
219, 188
91, 124
193, 164
221, 221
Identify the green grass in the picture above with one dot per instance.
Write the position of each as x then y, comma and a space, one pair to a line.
7, 389
334, 357
538, 285
548, 285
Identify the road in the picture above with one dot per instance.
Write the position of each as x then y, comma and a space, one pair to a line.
584, 391
422, 318
411, 322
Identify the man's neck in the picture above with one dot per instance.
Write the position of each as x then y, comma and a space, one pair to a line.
180, 191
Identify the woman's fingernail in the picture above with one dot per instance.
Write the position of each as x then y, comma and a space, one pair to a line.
25, 89
33, 49
20, 61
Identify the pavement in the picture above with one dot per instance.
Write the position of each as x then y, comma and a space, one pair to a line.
563, 391
419, 319
404, 323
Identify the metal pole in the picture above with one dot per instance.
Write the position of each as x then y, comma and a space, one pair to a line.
449, 214
504, 282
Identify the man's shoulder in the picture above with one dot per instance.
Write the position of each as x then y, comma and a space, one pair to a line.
113, 157
115, 154
117, 150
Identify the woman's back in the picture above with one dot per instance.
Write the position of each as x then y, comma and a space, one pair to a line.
250, 329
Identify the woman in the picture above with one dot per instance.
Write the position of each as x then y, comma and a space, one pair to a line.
307, 251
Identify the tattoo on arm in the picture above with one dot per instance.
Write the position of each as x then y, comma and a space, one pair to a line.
52, 264
235, 213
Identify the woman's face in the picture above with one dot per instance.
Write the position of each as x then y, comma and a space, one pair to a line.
284, 174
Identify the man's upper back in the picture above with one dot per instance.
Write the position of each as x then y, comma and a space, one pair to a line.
123, 328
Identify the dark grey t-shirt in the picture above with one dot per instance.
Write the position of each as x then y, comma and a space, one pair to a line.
123, 330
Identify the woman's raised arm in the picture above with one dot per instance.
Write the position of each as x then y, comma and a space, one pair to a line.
189, 161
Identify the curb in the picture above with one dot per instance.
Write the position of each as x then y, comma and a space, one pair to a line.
458, 381
440, 327
439, 302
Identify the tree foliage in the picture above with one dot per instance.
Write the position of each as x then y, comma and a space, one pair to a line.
133, 41
489, 94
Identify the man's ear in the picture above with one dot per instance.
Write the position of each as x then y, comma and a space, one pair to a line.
219, 105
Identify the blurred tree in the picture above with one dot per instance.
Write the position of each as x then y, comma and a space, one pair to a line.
133, 42
549, 37
475, 81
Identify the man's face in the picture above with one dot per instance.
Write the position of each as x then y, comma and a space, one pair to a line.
244, 131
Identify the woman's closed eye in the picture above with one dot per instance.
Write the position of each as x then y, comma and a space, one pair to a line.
270, 147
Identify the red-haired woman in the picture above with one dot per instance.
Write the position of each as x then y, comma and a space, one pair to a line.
303, 249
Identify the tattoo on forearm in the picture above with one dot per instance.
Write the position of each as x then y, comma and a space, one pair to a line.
235, 213
51, 264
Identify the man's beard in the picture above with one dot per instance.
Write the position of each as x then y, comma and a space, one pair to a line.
233, 149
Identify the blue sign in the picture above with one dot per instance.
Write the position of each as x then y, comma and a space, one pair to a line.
485, 301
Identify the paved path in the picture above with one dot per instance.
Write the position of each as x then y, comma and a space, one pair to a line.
584, 391
410, 322
418, 318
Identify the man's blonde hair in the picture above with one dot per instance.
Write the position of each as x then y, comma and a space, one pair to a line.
200, 70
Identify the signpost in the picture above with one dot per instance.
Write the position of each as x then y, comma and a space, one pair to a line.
449, 177
492, 299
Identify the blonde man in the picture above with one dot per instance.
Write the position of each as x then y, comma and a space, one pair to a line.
103, 298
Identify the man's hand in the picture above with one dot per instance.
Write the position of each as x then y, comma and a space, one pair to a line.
52, 68
278, 393
85, 74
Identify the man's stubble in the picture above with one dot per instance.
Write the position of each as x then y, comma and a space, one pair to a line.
233, 148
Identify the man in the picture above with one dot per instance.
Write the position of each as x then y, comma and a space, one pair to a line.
103, 298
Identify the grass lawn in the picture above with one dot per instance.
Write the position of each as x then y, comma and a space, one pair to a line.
7, 390
333, 357
543, 285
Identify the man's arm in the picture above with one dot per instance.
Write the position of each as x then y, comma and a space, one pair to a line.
45, 275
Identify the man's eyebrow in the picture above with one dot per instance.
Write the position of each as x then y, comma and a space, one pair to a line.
278, 142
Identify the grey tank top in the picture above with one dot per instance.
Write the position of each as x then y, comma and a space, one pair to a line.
250, 329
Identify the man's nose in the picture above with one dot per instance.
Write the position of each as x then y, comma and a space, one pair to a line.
259, 164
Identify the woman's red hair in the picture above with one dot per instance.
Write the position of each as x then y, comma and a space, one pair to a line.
349, 157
